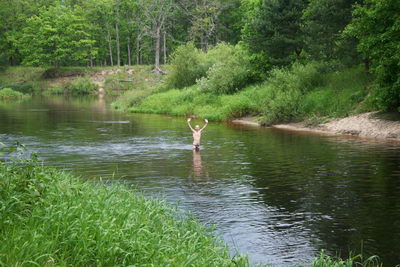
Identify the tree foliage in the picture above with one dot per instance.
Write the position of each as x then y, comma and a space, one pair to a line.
56, 37
323, 24
276, 30
376, 25
273, 33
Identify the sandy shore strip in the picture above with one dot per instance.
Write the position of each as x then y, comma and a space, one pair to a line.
363, 125
249, 121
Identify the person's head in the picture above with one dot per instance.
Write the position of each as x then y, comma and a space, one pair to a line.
197, 127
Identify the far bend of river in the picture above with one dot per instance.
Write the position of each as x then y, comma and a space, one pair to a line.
278, 196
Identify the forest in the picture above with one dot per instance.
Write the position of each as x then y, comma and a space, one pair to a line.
251, 40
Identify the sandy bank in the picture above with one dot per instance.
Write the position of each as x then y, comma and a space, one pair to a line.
363, 125
250, 121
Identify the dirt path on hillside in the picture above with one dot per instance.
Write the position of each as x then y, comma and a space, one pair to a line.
99, 78
363, 125
96, 77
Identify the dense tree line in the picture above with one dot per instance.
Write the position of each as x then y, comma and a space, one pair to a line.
110, 32
275, 32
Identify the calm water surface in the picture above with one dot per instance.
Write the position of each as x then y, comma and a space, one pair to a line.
278, 196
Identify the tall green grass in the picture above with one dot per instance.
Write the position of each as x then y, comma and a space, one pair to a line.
80, 86
48, 217
8, 94
340, 94
323, 260
131, 98
191, 101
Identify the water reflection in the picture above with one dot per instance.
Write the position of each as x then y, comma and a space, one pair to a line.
198, 172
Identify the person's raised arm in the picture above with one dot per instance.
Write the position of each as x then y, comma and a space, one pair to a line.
204, 125
190, 126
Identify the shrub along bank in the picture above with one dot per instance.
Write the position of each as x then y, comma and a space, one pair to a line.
223, 87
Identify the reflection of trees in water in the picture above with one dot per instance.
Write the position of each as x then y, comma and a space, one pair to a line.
347, 192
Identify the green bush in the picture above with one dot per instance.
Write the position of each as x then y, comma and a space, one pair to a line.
131, 98
25, 88
305, 91
341, 94
231, 71
115, 82
54, 91
284, 91
376, 26
10, 94
81, 86
192, 101
187, 65
282, 106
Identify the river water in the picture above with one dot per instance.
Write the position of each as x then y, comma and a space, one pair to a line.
278, 196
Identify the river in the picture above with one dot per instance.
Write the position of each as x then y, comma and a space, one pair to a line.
276, 195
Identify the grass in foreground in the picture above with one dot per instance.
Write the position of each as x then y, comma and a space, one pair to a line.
50, 217
324, 260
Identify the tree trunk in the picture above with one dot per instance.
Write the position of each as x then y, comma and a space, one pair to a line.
117, 35
203, 44
366, 64
118, 45
165, 47
129, 53
206, 41
110, 48
137, 51
157, 48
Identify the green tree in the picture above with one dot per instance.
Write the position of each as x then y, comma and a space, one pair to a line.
203, 18
275, 30
13, 14
57, 36
157, 13
100, 14
376, 25
230, 21
324, 22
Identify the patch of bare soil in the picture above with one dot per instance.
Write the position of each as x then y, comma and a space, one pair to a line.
251, 121
358, 125
96, 77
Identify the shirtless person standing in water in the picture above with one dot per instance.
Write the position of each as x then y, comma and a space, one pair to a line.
196, 134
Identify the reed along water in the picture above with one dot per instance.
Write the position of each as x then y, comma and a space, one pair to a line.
278, 196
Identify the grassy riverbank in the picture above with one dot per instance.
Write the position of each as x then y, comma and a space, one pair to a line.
51, 218
303, 92
227, 82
